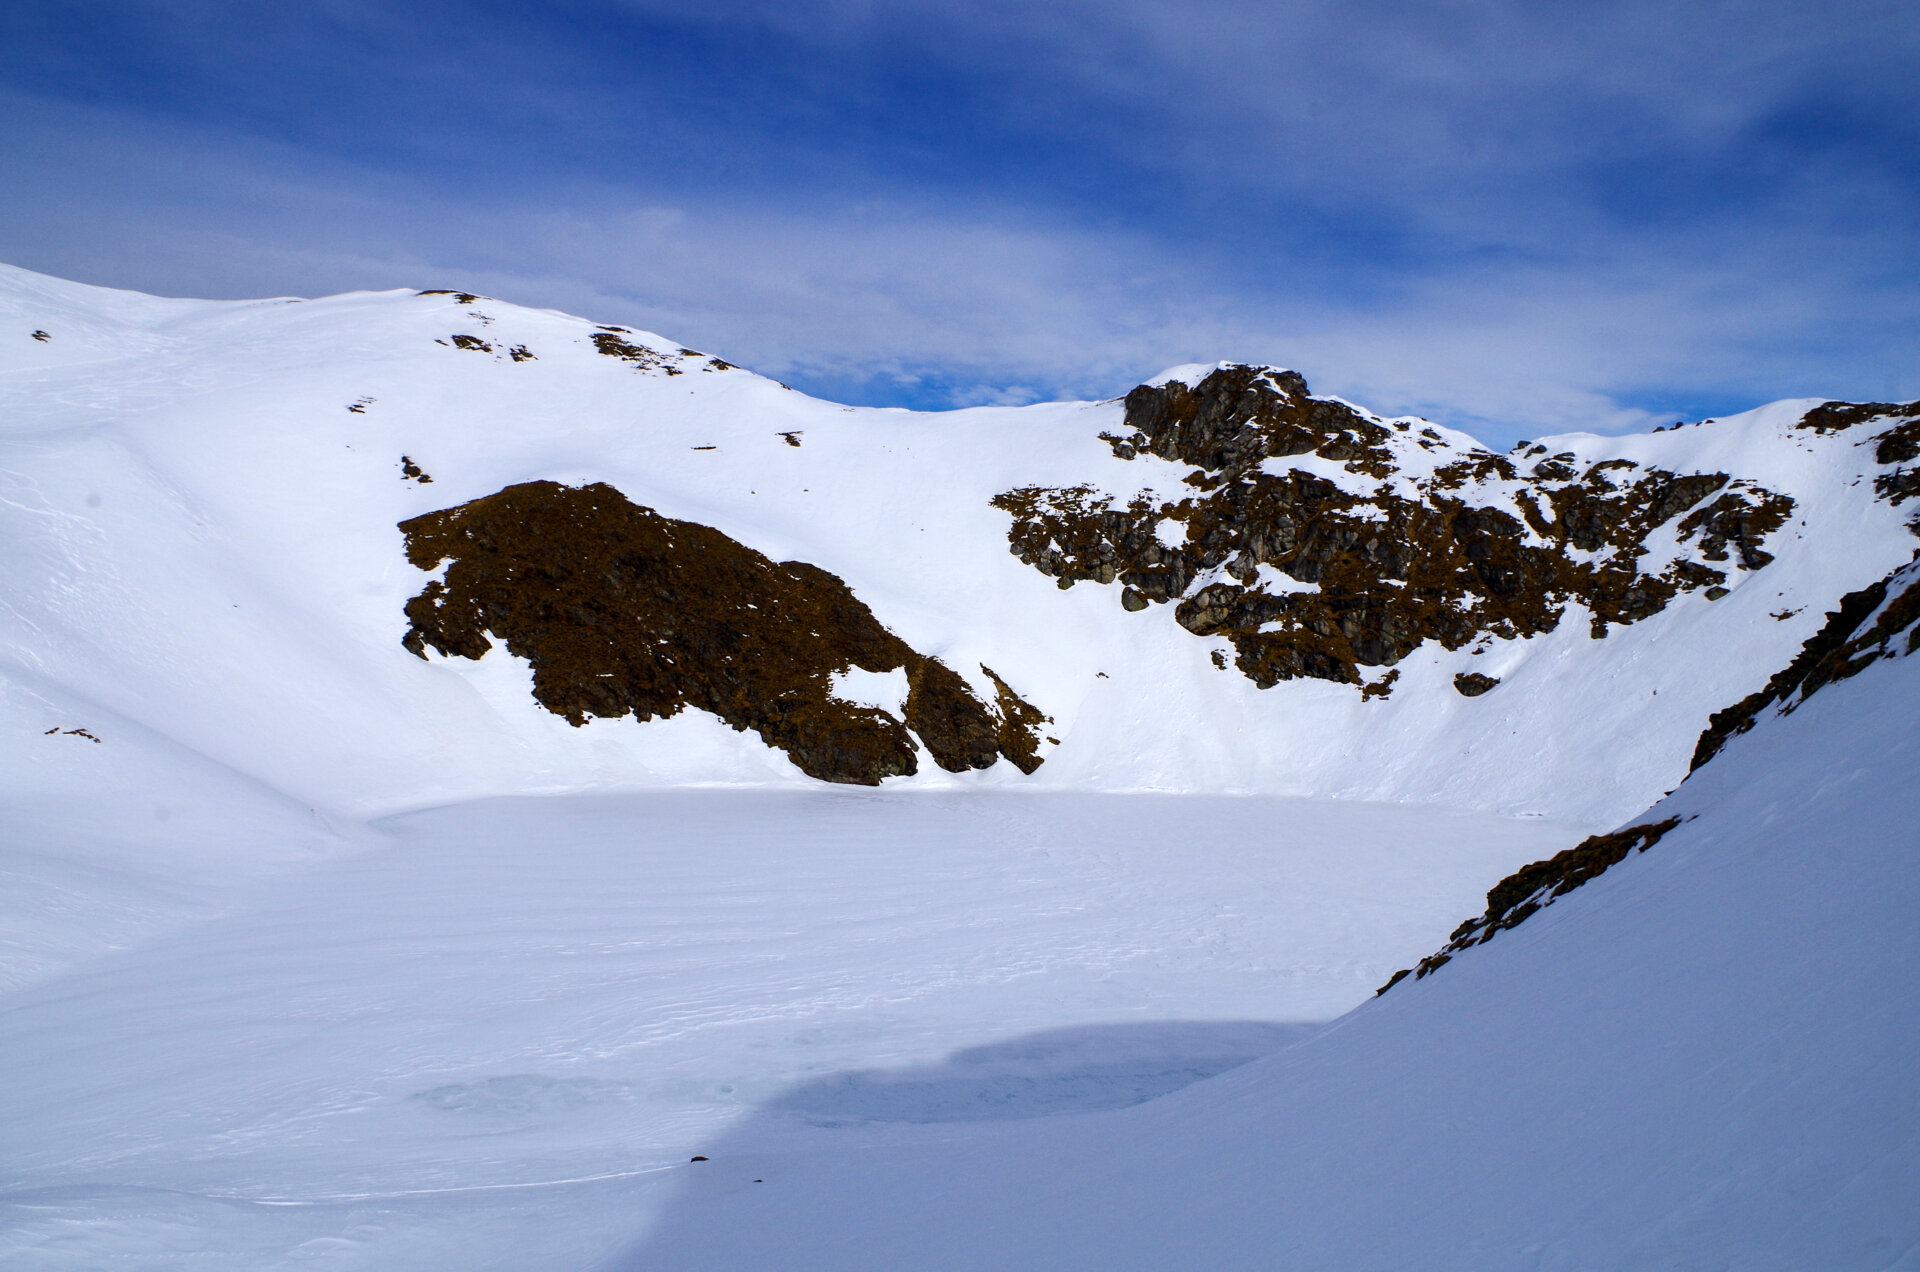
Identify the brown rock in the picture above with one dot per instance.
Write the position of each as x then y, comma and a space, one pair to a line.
1389, 572
1471, 684
622, 611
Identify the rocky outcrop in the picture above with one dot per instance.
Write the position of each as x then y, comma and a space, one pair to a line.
1876, 622
1867, 626
1471, 684
612, 342
1383, 535
1896, 442
1022, 725
1866, 623
621, 611
1530, 889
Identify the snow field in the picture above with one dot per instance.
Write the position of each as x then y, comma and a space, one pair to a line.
1704, 1059
296, 972
504, 994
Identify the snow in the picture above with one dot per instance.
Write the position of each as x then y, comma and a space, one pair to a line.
498, 995
203, 541
886, 690
1703, 1059
326, 955
986, 1030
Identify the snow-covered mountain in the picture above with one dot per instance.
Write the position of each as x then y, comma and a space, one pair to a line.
1276, 593
440, 825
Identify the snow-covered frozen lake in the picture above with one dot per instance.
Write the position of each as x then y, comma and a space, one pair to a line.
493, 1034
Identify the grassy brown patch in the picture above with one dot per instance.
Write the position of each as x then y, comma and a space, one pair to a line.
621, 611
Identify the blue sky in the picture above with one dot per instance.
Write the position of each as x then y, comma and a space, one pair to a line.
1515, 217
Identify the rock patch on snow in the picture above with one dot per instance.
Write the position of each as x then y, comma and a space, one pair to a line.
622, 611
1859, 632
1388, 538
1526, 891
1894, 446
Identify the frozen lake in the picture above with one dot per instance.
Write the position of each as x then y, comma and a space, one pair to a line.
495, 1034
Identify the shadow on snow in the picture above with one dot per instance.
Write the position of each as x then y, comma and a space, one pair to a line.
1088, 1069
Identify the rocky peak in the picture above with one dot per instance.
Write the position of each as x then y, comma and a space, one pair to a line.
1398, 537
1240, 415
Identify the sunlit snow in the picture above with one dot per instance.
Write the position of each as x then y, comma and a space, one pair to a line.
317, 954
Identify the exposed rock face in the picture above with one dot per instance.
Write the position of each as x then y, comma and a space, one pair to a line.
1865, 626
1835, 417
1864, 629
1529, 889
609, 340
1019, 734
1896, 442
1387, 537
622, 611
612, 342
1876, 622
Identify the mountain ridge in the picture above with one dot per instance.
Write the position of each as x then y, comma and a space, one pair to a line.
243, 467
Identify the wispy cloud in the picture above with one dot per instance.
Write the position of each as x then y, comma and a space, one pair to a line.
1519, 218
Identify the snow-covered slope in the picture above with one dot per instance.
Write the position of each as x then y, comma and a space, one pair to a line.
837, 1029
1703, 1058
490, 1036
293, 975
201, 517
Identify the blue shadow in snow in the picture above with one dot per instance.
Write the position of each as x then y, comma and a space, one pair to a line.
719, 1220
1081, 1070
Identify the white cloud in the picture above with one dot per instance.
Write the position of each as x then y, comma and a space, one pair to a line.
981, 299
